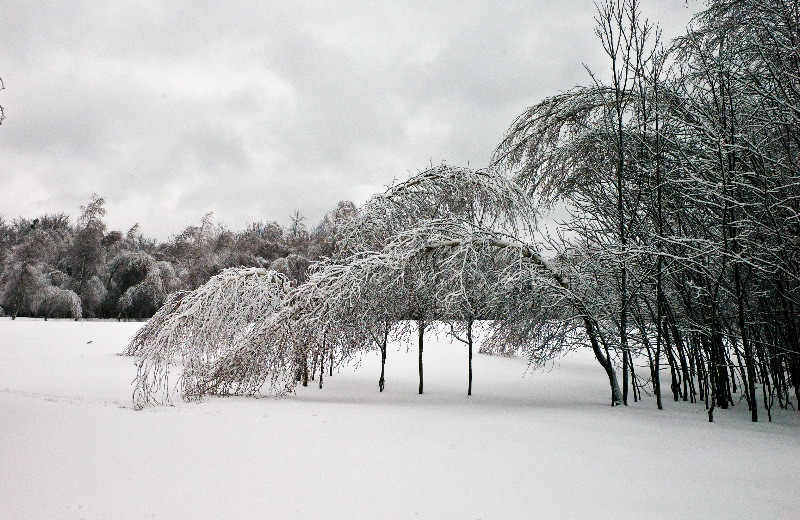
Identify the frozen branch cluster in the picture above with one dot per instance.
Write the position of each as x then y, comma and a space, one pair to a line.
201, 327
444, 245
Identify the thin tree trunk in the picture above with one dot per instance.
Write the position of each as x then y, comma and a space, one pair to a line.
748, 351
674, 385
314, 366
382, 380
659, 259
605, 362
421, 334
634, 386
321, 368
659, 339
469, 345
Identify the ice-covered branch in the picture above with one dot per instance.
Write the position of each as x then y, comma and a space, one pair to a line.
200, 327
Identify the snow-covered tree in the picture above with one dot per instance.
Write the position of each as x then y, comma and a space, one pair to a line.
86, 255
449, 244
201, 327
52, 302
23, 275
681, 174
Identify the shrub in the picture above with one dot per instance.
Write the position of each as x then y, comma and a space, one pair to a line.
52, 302
143, 299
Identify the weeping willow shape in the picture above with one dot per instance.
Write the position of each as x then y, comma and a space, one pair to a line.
267, 351
200, 328
448, 242
327, 317
334, 315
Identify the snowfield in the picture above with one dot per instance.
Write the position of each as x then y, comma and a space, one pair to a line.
546, 445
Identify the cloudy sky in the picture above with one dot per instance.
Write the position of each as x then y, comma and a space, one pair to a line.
171, 109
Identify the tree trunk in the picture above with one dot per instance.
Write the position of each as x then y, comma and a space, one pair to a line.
748, 351
382, 380
469, 346
314, 366
321, 368
634, 386
659, 259
421, 334
625, 354
605, 362
657, 371
675, 386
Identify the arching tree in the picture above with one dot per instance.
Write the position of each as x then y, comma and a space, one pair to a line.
201, 327
424, 240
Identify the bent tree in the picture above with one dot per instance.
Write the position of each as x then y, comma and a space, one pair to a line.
200, 327
448, 237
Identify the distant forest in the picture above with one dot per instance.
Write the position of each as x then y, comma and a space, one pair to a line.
51, 267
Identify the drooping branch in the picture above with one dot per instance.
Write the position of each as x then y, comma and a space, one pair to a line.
201, 326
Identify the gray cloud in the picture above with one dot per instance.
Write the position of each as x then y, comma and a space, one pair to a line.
172, 109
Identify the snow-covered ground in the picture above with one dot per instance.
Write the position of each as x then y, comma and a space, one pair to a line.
541, 446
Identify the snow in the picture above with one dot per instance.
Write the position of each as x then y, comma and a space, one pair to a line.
541, 446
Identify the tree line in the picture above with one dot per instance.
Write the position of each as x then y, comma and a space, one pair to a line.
53, 268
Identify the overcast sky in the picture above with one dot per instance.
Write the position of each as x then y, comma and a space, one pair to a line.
254, 109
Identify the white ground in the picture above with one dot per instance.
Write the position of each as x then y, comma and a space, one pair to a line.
542, 446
